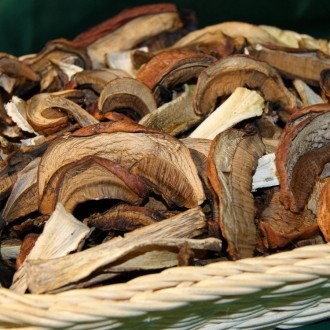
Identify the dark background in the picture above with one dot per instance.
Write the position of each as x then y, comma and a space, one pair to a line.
26, 25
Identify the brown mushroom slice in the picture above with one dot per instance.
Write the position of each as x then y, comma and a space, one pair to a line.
323, 212
26, 247
127, 95
172, 68
224, 76
24, 195
303, 151
173, 166
116, 34
91, 178
232, 161
96, 78
280, 227
44, 116
241, 105
125, 217
13, 67
292, 63
325, 81
174, 117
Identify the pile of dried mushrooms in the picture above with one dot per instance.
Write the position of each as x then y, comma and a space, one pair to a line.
129, 149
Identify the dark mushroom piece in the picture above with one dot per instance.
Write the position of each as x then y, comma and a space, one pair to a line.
163, 161
224, 76
325, 81
303, 151
293, 63
127, 95
115, 34
233, 159
280, 227
323, 212
172, 68
91, 178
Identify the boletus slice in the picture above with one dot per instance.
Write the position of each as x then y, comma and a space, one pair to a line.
224, 76
116, 34
91, 178
171, 68
44, 111
303, 151
161, 160
127, 95
233, 159
323, 212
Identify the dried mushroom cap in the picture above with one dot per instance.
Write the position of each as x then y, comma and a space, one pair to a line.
323, 212
116, 34
325, 81
224, 76
91, 178
164, 162
129, 95
233, 159
44, 115
171, 68
293, 63
303, 151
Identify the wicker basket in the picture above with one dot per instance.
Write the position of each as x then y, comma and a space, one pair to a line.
285, 290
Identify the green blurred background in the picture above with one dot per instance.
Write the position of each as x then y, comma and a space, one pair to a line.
26, 25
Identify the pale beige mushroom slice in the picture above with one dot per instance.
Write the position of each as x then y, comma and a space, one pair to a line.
303, 151
127, 95
240, 105
127, 30
233, 159
174, 117
306, 94
224, 76
163, 161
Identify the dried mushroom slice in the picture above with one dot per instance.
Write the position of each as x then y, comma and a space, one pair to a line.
125, 217
233, 159
172, 68
303, 151
91, 178
293, 63
280, 227
24, 195
164, 161
44, 115
174, 117
116, 34
325, 81
224, 76
127, 95
323, 212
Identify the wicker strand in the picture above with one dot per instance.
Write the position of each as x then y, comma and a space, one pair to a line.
287, 290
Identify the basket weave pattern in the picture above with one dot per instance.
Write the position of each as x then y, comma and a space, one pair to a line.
286, 290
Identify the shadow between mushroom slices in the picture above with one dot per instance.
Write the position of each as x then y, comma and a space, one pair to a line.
224, 76
127, 95
232, 161
173, 172
171, 68
303, 151
91, 178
